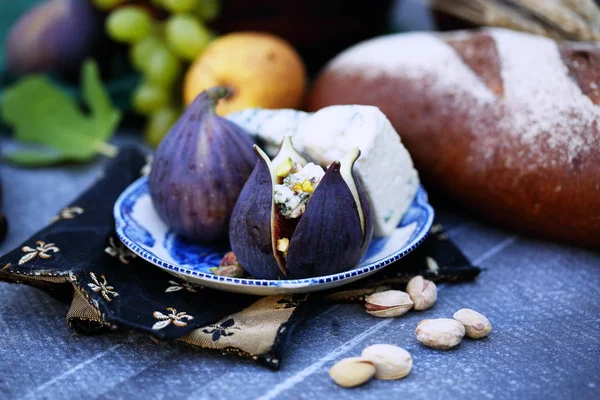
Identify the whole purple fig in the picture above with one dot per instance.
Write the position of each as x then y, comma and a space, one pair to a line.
54, 36
199, 170
292, 220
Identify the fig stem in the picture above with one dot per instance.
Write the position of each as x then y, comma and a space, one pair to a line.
219, 92
106, 149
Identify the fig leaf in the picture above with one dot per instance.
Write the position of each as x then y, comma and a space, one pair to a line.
97, 99
39, 112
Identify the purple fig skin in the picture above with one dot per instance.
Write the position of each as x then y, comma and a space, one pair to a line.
54, 36
199, 170
250, 228
329, 238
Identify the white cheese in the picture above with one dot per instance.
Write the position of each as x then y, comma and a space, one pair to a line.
385, 167
291, 203
271, 126
310, 171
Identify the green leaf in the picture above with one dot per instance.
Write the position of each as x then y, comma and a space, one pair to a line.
39, 112
98, 100
37, 97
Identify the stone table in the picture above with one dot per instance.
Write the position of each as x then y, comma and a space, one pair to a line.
542, 298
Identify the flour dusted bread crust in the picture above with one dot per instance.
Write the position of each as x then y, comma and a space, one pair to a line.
506, 123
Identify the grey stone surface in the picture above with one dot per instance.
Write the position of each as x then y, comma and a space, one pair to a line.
542, 299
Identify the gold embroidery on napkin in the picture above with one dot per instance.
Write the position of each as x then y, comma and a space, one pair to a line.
41, 251
103, 288
119, 250
177, 286
68, 213
178, 319
432, 265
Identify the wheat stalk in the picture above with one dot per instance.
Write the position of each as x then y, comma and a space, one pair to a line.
552, 18
484, 12
559, 16
587, 9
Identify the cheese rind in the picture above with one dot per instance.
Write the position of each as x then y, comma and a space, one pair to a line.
385, 167
270, 126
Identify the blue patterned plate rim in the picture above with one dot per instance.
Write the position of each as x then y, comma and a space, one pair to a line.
420, 201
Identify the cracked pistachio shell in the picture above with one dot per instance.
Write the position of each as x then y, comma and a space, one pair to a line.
199, 170
330, 237
387, 304
391, 362
422, 292
352, 371
476, 325
440, 333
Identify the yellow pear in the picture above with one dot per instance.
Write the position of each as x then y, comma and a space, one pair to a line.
261, 69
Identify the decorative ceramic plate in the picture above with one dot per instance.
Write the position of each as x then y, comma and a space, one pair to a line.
140, 228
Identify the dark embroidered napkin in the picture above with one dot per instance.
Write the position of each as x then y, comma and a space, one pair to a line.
78, 259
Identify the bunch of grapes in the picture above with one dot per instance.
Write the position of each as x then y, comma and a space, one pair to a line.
159, 50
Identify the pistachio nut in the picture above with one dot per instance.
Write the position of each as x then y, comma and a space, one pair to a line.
229, 266
476, 325
390, 303
232, 271
352, 371
440, 333
391, 362
422, 292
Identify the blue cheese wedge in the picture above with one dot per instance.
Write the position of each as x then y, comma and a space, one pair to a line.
385, 167
293, 194
270, 126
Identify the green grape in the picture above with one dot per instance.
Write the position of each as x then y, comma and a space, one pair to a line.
186, 36
128, 24
158, 125
163, 68
140, 52
107, 4
149, 98
179, 6
208, 10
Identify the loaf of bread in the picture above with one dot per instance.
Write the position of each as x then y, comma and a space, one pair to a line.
505, 123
